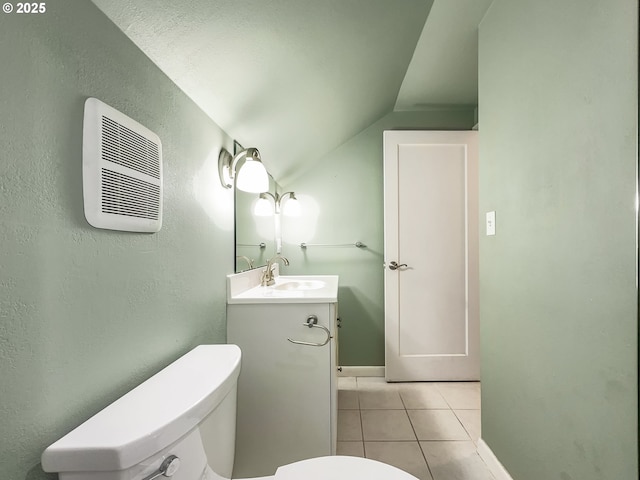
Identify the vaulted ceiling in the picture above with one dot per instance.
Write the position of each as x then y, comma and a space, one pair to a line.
296, 78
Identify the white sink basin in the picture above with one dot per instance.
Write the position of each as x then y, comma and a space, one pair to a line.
287, 289
300, 285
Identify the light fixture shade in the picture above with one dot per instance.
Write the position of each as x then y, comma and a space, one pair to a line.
263, 208
292, 208
252, 177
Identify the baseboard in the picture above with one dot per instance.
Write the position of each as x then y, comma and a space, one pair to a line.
495, 467
361, 372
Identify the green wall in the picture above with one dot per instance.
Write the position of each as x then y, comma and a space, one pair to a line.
342, 201
87, 314
558, 303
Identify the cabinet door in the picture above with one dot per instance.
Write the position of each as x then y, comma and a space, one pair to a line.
284, 389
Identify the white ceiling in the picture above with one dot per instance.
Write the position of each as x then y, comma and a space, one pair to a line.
296, 78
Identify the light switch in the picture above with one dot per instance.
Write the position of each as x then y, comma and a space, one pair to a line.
491, 223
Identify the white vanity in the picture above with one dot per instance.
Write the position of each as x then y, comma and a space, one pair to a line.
287, 390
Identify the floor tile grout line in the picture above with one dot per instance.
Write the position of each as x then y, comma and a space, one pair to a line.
425, 458
417, 440
403, 404
364, 445
463, 426
443, 396
364, 451
364, 448
359, 386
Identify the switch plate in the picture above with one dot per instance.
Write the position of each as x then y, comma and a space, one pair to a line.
491, 223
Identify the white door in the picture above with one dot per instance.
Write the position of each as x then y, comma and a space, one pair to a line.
431, 255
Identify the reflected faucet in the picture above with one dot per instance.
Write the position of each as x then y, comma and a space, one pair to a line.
246, 259
267, 275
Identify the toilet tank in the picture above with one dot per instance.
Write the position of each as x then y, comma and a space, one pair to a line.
188, 409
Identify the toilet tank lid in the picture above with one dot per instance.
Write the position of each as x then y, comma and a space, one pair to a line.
151, 416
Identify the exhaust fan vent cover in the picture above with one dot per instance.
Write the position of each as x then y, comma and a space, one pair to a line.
121, 171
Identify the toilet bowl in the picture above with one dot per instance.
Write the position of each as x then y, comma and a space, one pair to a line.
180, 424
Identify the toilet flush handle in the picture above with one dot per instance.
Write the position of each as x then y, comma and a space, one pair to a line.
168, 467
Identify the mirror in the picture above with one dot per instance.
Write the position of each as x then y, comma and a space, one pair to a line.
255, 235
258, 231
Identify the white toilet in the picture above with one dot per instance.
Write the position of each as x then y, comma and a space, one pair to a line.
180, 424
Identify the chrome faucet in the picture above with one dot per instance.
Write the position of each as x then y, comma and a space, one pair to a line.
267, 275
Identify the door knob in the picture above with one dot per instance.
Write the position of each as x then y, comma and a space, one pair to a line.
395, 266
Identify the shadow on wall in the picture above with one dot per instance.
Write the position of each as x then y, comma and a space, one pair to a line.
36, 473
360, 332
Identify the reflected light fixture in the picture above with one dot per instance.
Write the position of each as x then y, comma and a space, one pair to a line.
290, 208
246, 168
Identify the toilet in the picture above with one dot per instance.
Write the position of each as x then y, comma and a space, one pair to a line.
180, 424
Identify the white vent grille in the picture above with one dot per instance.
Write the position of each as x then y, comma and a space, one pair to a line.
127, 148
122, 171
123, 195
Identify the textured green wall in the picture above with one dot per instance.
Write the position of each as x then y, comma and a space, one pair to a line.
558, 136
87, 314
342, 201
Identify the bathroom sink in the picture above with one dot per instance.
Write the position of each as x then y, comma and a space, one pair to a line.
243, 288
300, 285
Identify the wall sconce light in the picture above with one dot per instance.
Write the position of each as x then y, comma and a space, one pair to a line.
290, 208
250, 176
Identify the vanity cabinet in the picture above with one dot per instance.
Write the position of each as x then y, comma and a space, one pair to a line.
287, 392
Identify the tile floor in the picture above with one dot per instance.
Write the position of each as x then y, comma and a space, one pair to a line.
427, 429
